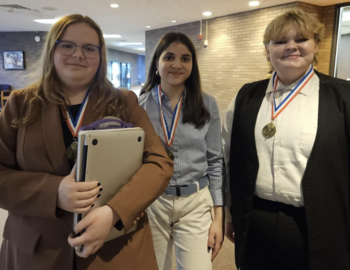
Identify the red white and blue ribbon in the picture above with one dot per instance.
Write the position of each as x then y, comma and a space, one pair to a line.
169, 134
74, 124
276, 110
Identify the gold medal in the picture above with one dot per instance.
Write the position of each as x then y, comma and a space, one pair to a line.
170, 154
72, 151
269, 130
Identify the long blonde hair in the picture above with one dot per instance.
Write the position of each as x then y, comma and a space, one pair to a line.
47, 89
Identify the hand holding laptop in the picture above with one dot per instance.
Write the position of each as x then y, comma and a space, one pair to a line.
96, 226
76, 197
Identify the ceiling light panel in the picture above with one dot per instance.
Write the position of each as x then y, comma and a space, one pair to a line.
112, 36
254, 3
129, 43
46, 21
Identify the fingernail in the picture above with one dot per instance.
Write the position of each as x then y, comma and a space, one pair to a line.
99, 184
101, 189
98, 195
209, 248
92, 205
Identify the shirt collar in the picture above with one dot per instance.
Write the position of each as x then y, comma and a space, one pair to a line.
281, 86
163, 96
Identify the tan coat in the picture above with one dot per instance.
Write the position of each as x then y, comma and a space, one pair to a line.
32, 165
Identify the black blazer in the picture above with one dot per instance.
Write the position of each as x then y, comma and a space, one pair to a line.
325, 182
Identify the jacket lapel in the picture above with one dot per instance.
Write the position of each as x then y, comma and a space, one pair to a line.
53, 139
53, 134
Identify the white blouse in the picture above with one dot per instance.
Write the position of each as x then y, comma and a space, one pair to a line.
282, 158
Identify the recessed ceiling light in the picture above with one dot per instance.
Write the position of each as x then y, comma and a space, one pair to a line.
254, 3
141, 49
148, 26
173, 21
112, 36
129, 43
207, 13
114, 5
46, 21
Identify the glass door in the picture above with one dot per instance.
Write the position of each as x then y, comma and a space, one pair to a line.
125, 78
115, 74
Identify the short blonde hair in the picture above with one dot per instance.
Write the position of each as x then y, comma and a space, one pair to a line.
306, 25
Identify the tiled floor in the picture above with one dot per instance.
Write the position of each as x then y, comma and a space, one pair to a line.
225, 259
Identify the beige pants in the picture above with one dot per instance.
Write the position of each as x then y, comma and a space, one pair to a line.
182, 222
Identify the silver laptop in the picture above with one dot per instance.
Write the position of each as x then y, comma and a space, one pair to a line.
112, 157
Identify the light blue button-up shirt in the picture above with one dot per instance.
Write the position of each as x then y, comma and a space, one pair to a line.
197, 152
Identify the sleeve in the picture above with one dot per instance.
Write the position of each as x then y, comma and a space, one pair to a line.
154, 175
226, 144
22, 192
214, 154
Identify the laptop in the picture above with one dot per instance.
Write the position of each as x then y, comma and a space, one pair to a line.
112, 157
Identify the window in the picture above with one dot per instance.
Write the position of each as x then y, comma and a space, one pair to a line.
341, 56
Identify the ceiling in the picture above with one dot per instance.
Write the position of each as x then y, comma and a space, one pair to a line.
131, 17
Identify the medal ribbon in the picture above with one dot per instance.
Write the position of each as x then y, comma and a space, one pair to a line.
276, 110
169, 134
75, 124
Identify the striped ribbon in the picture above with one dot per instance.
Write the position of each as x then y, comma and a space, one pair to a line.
169, 134
75, 124
276, 110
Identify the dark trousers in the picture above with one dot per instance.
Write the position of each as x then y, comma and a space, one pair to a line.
75, 263
277, 237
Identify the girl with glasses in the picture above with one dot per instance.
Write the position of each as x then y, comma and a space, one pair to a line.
37, 173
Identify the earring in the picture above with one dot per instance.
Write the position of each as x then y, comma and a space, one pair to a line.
157, 72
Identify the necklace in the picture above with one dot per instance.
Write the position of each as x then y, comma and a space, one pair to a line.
74, 125
270, 130
169, 134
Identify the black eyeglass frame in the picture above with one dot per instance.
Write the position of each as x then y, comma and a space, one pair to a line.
76, 46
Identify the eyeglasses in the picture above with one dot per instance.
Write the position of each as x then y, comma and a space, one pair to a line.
69, 48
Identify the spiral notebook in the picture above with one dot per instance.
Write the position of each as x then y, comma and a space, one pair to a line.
112, 157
